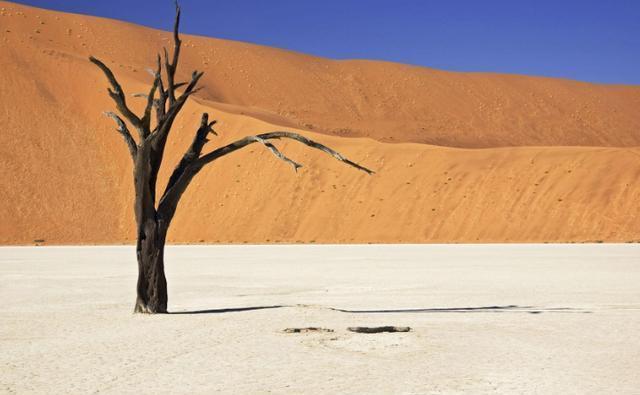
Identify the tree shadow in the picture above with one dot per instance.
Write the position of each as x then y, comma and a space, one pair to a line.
482, 309
512, 308
228, 310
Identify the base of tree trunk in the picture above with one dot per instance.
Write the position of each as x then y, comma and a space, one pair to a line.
152, 293
149, 308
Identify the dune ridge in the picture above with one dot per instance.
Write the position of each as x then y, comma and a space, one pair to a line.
460, 157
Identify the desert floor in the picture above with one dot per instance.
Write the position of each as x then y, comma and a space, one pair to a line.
484, 318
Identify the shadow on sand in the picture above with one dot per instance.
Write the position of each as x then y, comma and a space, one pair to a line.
229, 310
482, 309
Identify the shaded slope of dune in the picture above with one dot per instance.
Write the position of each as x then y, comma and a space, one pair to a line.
66, 174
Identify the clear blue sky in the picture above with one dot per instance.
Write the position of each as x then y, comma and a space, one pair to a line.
590, 40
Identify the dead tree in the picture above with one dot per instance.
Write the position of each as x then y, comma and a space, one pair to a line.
153, 219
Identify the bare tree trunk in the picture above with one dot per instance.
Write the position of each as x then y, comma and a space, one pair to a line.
151, 292
152, 284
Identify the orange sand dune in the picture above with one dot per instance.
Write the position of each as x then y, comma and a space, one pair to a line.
559, 159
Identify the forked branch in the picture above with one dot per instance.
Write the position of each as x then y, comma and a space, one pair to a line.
146, 118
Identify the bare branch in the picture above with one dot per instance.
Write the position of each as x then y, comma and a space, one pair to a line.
191, 88
117, 94
185, 170
161, 102
146, 118
165, 122
172, 66
277, 153
176, 38
167, 69
200, 138
122, 129
179, 85
194, 151
227, 149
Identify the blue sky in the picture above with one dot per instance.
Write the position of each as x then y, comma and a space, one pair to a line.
588, 40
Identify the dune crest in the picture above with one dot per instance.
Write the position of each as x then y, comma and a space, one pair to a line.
460, 157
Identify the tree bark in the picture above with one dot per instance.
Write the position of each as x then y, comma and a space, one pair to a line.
151, 291
152, 284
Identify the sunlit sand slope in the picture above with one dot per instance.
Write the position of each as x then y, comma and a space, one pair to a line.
459, 156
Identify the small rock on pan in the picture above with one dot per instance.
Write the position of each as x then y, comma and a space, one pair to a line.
308, 329
378, 329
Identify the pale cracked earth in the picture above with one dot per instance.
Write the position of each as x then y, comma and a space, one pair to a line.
535, 319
